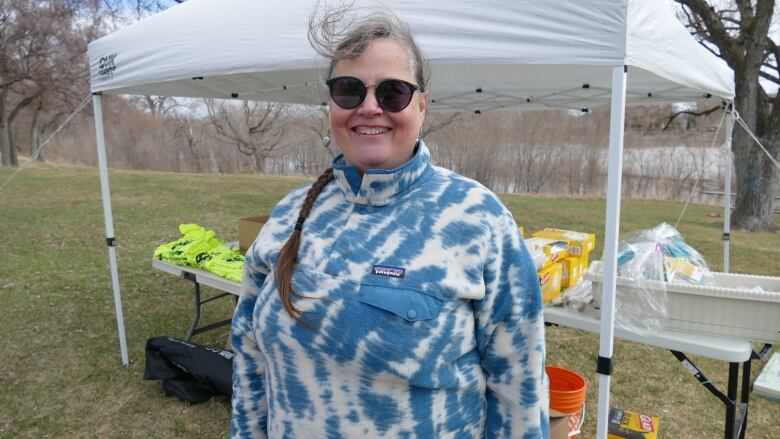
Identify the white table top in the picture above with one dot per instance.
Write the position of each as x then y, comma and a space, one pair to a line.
201, 276
727, 349
719, 348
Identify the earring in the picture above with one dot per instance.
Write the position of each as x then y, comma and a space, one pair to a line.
326, 139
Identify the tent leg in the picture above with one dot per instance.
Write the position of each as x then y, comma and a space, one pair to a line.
109, 223
614, 177
727, 188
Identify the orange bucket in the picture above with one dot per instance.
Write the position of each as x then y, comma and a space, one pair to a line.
567, 395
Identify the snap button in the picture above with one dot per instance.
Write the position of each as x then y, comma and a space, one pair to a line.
411, 313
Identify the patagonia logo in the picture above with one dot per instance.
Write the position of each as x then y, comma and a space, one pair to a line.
384, 270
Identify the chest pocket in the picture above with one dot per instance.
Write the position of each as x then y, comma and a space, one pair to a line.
408, 304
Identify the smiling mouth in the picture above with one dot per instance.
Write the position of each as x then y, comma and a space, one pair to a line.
370, 131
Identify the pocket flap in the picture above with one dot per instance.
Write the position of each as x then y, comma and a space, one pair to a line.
408, 304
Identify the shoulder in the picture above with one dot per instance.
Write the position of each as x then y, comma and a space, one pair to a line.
476, 198
283, 216
290, 202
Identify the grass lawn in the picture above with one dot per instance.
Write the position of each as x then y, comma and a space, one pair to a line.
59, 354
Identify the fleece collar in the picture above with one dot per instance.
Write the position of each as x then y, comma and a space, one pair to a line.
379, 187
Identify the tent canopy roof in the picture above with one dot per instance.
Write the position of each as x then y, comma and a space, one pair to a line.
484, 56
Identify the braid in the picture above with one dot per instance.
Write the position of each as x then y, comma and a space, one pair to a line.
289, 253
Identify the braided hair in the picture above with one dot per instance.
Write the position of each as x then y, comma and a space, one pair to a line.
289, 252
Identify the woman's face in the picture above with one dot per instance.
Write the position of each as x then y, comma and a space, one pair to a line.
369, 136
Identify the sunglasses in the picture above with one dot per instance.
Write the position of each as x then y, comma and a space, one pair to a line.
392, 95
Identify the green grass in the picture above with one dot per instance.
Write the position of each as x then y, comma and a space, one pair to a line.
59, 354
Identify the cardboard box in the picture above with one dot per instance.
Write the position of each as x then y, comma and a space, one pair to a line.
563, 426
579, 243
554, 249
550, 281
572, 271
248, 228
584, 262
624, 424
559, 426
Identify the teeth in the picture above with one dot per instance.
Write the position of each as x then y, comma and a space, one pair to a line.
371, 131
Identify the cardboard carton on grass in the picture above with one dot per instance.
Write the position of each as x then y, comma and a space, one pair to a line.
624, 424
559, 426
248, 228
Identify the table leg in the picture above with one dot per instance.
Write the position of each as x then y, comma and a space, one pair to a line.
731, 409
196, 317
745, 398
736, 413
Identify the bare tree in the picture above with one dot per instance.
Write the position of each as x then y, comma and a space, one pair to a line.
253, 127
438, 121
190, 131
42, 63
319, 125
738, 31
156, 105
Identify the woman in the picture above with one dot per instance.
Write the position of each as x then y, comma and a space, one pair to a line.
391, 298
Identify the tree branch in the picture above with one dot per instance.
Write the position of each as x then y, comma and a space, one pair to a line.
715, 31
769, 77
701, 113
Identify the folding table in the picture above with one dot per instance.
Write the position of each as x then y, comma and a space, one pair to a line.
201, 277
731, 350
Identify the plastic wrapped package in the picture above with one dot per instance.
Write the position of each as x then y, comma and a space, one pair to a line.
537, 254
546, 252
644, 258
578, 296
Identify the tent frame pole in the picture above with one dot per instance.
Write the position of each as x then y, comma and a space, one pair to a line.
109, 223
611, 234
727, 187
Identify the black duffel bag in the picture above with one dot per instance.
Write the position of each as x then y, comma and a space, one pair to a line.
192, 372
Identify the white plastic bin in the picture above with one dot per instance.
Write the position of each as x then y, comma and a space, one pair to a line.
721, 309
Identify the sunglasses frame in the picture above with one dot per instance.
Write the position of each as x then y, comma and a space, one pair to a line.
412, 87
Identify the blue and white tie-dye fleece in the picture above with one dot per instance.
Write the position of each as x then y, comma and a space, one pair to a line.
425, 308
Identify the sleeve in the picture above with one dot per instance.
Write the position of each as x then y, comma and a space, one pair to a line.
250, 404
510, 339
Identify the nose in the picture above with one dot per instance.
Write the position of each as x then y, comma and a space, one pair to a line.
370, 106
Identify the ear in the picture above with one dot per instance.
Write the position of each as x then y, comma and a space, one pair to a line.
423, 103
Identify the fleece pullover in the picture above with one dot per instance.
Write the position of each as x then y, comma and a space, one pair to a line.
424, 313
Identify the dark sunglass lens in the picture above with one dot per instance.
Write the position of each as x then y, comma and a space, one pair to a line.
347, 92
394, 95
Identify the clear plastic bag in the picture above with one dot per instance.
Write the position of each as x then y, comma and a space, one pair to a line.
578, 297
649, 259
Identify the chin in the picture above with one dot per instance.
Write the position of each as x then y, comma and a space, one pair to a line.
373, 163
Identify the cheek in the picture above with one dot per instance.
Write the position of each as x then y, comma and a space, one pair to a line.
408, 123
338, 118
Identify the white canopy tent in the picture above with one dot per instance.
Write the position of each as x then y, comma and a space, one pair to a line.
486, 55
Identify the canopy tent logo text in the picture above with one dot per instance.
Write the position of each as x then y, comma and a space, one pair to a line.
107, 65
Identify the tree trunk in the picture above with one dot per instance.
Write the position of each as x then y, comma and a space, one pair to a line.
259, 163
755, 173
10, 120
5, 148
12, 146
35, 136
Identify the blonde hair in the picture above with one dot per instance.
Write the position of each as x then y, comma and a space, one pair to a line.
335, 37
